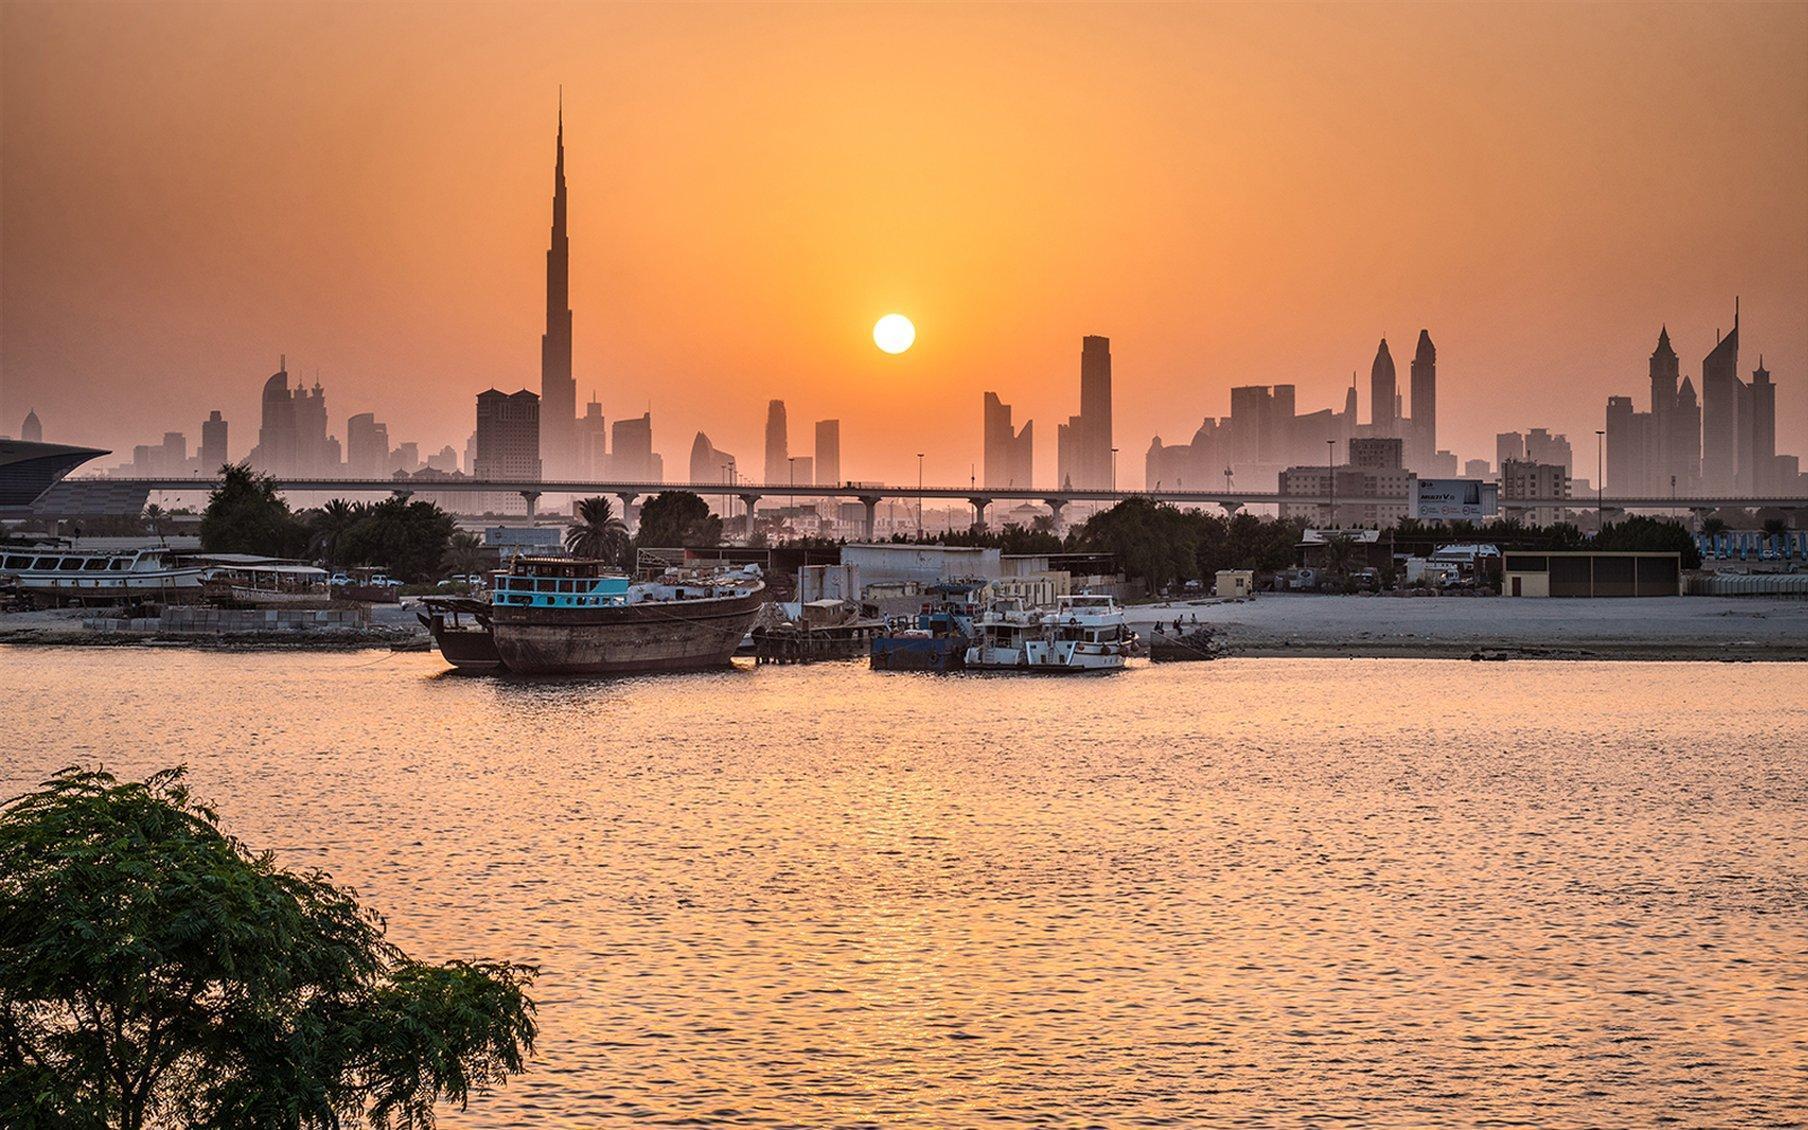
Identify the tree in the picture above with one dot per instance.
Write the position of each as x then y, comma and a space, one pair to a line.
155, 972
405, 536
153, 517
245, 515
1154, 541
674, 518
598, 533
465, 554
328, 526
1637, 531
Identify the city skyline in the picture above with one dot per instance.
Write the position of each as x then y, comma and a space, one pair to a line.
704, 341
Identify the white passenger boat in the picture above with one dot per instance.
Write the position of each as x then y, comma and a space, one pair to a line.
1081, 633
93, 575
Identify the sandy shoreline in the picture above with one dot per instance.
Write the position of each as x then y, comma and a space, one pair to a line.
1676, 629
1739, 629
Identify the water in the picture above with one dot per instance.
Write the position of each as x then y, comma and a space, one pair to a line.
1250, 891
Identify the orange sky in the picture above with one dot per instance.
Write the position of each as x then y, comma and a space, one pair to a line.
1233, 195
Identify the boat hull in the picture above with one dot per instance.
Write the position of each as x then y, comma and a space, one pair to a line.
629, 639
919, 653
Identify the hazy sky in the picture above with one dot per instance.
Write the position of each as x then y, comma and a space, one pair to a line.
1235, 195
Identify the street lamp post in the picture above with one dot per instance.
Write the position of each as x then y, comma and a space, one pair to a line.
1331, 481
1114, 470
1600, 483
919, 496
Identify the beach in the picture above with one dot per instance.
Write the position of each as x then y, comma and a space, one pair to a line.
1649, 628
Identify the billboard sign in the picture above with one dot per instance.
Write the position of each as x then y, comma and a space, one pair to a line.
1455, 500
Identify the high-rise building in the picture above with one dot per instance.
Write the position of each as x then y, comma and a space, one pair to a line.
828, 453
366, 446
508, 444
1761, 480
1684, 443
291, 436
1384, 396
1377, 453
631, 458
708, 465
445, 461
1628, 447
1424, 429
802, 471
1083, 444
1720, 394
1008, 452
1508, 445
1525, 479
778, 447
558, 391
212, 454
31, 431
1477, 469
406, 457
1544, 446
592, 443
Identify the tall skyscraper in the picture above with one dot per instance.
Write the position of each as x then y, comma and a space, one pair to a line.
31, 431
1508, 445
1762, 478
212, 454
709, 465
1720, 391
592, 443
1083, 444
558, 391
366, 446
1009, 453
1424, 431
778, 447
631, 456
828, 453
508, 444
1384, 396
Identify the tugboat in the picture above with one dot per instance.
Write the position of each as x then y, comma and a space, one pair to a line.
1081, 633
938, 638
574, 616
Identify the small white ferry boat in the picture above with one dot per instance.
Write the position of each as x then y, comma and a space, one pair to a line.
1081, 633
85, 575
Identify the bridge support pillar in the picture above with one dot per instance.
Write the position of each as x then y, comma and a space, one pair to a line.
627, 499
1055, 508
1231, 507
532, 498
872, 512
979, 513
749, 501
1701, 514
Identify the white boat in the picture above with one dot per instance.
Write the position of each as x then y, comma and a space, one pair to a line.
100, 574
1081, 633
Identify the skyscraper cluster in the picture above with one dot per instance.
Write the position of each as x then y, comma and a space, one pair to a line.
785, 469
1265, 433
1725, 443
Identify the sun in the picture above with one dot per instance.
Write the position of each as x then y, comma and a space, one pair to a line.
894, 333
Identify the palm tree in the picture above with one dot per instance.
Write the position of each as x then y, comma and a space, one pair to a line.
153, 516
464, 554
330, 524
598, 533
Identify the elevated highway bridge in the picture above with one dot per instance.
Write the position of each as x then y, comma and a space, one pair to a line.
870, 495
